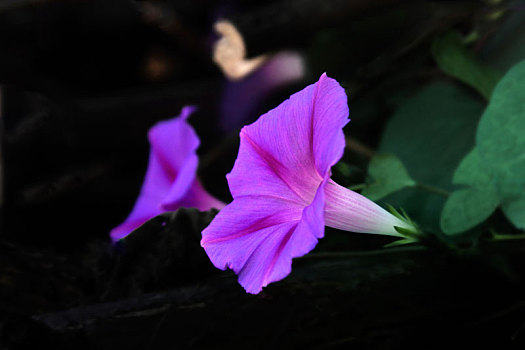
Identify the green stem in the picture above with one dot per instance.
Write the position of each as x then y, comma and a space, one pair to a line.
507, 237
424, 187
358, 187
433, 189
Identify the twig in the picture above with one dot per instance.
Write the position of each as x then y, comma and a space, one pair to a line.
358, 147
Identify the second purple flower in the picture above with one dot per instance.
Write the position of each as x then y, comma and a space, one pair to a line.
171, 179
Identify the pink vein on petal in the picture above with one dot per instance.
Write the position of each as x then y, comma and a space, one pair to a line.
258, 225
275, 166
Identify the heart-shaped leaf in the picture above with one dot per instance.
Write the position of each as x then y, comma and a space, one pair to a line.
389, 175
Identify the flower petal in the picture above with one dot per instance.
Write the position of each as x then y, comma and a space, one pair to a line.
242, 225
174, 144
196, 197
183, 181
257, 237
330, 115
170, 180
148, 204
288, 151
350, 211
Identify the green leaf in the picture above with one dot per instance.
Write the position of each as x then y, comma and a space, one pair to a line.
500, 136
389, 176
472, 172
515, 211
456, 60
400, 242
431, 133
467, 208
495, 168
343, 168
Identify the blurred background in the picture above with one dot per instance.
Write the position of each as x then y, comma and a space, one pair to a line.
81, 83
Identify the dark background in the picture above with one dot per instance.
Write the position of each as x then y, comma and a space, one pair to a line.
81, 83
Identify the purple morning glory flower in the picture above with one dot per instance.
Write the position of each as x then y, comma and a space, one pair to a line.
242, 97
170, 181
283, 194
